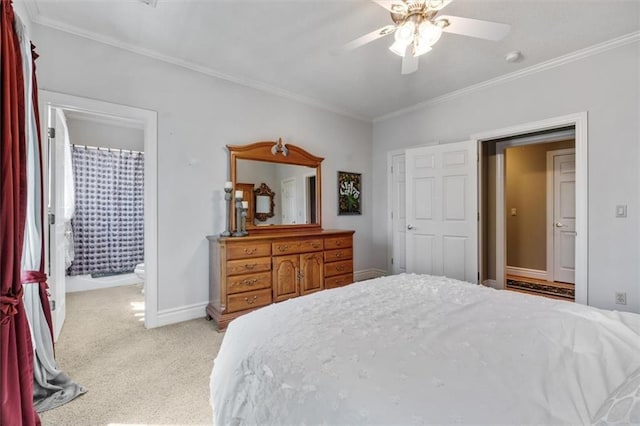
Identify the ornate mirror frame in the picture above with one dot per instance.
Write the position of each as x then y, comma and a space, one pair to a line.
264, 191
277, 152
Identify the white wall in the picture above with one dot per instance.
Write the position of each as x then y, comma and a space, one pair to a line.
607, 86
91, 133
197, 116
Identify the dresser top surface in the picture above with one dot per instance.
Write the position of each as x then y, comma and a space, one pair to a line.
280, 235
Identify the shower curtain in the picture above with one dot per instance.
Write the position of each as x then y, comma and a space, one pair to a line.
108, 226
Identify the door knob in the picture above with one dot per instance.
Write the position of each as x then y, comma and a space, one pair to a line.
559, 225
410, 227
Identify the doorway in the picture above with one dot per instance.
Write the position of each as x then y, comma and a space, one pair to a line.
310, 189
486, 266
148, 122
534, 211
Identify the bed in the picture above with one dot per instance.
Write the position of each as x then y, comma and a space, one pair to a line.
417, 349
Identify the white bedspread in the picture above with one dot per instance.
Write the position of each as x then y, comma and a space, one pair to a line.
413, 349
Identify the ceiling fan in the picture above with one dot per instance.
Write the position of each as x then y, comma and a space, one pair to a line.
417, 27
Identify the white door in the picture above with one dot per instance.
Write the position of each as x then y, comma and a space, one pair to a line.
398, 213
564, 217
288, 191
57, 228
442, 210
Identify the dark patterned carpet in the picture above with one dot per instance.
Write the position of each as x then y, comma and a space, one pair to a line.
567, 293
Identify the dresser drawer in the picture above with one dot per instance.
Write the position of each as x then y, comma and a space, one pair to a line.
248, 266
240, 283
245, 250
248, 300
337, 242
340, 254
338, 281
293, 247
338, 268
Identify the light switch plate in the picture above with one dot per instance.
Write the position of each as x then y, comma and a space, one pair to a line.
621, 210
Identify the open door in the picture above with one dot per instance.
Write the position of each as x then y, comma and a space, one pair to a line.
442, 210
288, 193
398, 213
563, 226
58, 135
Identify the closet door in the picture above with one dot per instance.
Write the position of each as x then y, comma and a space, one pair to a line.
442, 210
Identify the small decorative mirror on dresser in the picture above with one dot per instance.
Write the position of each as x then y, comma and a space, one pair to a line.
287, 253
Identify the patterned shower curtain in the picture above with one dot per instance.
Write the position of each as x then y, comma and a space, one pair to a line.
108, 226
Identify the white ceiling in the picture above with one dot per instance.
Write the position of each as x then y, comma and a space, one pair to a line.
288, 46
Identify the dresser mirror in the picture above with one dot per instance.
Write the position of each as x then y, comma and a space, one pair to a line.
286, 183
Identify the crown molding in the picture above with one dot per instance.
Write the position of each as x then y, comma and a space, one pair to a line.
37, 18
542, 66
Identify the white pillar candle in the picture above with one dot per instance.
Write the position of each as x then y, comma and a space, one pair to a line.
239, 194
228, 185
245, 204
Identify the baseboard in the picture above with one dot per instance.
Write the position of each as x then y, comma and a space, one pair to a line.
367, 274
491, 283
526, 273
85, 282
182, 313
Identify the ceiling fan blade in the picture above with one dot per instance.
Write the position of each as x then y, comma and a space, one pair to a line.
409, 63
396, 6
475, 28
368, 38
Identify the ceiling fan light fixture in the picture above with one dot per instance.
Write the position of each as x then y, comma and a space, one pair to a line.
405, 33
420, 48
428, 33
398, 48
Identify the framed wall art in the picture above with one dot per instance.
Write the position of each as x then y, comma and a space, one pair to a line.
349, 193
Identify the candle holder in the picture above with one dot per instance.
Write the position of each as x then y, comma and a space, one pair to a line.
244, 221
227, 197
239, 232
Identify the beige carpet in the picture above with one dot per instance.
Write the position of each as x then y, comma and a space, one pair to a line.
134, 376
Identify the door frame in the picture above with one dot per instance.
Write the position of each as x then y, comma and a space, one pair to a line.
149, 120
551, 258
580, 122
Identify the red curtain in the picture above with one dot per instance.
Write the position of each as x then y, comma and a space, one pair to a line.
16, 353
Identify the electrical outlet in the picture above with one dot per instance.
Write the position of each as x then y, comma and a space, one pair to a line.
621, 298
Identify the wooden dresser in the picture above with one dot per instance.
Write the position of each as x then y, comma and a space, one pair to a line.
254, 271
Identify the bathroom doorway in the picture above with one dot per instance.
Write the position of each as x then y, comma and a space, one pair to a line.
89, 138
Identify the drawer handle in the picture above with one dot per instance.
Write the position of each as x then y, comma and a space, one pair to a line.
252, 300
338, 243
250, 250
250, 282
338, 282
316, 245
252, 266
283, 248
338, 254
340, 268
